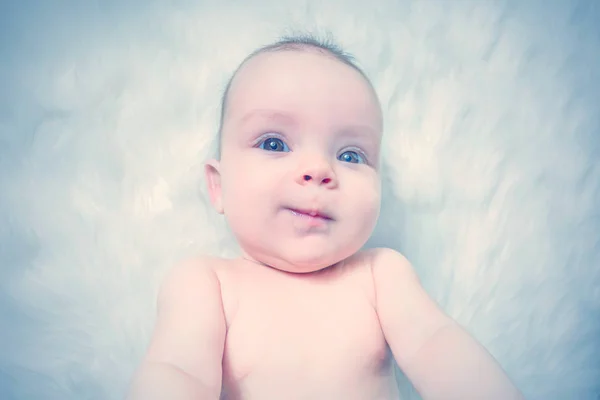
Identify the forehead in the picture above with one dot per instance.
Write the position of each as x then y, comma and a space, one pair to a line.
306, 84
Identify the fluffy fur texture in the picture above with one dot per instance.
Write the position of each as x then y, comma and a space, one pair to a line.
107, 112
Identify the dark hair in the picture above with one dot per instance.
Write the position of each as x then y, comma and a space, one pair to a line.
301, 42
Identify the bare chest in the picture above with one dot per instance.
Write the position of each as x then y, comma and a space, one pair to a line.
318, 336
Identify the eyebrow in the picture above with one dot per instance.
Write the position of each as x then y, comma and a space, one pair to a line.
270, 115
356, 130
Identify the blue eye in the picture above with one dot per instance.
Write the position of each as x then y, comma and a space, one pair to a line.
351, 157
273, 144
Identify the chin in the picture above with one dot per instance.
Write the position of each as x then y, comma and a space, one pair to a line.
308, 261
301, 256
302, 267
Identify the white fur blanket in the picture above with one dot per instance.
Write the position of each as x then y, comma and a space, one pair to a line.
108, 109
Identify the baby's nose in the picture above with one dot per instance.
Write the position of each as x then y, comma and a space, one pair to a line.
320, 174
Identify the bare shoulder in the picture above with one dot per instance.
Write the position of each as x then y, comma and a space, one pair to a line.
407, 314
187, 276
391, 266
190, 328
198, 266
385, 252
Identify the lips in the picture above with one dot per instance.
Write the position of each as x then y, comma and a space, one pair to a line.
313, 213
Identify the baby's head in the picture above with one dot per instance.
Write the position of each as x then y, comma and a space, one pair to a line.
300, 134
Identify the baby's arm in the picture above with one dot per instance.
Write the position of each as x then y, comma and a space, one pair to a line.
185, 355
436, 354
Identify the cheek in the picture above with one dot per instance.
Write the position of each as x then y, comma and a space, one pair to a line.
368, 201
365, 188
248, 182
372, 203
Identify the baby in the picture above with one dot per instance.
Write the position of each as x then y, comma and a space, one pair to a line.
304, 313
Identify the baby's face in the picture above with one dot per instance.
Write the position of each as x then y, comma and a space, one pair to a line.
301, 136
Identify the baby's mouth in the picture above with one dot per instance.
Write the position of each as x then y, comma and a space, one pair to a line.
316, 214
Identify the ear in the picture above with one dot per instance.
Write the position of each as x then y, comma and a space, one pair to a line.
213, 179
